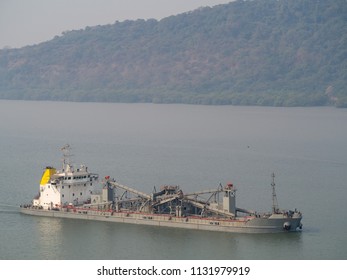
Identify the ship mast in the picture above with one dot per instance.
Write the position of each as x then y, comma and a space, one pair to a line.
66, 157
274, 197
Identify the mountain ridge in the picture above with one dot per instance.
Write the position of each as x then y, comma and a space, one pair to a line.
263, 52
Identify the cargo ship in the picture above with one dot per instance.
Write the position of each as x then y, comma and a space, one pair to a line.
72, 193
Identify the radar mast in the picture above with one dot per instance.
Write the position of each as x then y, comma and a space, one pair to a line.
274, 197
66, 158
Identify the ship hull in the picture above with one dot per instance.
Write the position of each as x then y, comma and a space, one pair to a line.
238, 225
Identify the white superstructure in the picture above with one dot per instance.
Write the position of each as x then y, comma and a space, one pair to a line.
69, 185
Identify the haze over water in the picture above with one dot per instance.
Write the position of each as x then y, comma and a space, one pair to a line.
196, 147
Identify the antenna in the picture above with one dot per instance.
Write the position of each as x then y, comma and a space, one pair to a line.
66, 156
274, 197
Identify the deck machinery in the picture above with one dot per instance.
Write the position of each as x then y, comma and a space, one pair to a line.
171, 200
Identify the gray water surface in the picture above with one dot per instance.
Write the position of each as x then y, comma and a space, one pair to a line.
196, 147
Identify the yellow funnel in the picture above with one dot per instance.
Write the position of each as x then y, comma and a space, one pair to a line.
47, 175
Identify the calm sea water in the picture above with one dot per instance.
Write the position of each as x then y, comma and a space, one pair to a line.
196, 147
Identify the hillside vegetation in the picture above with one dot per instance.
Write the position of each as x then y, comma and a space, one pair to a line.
261, 52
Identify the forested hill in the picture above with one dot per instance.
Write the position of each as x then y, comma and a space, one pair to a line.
261, 52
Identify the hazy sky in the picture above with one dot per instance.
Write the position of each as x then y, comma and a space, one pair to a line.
27, 22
